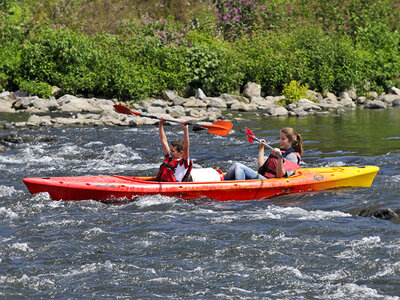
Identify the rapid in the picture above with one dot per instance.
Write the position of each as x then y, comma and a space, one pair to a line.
325, 245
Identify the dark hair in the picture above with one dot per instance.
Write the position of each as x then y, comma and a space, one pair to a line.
295, 138
178, 145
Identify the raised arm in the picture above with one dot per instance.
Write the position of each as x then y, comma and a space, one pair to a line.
163, 137
186, 142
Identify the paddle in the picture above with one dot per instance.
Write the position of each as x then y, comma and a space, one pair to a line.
219, 128
287, 164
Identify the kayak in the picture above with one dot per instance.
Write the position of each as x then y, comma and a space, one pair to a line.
112, 187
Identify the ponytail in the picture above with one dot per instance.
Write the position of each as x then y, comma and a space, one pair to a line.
298, 144
295, 138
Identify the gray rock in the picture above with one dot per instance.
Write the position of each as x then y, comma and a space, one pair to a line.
396, 102
154, 110
217, 102
200, 95
169, 95
252, 89
394, 90
389, 98
35, 120
6, 104
159, 103
375, 104
176, 111
361, 100
332, 97
305, 105
193, 102
178, 101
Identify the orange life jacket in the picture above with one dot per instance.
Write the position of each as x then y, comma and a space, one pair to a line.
268, 169
167, 169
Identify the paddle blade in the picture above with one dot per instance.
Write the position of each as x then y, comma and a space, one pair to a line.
124, 110
250, 135
290, 165
221, 128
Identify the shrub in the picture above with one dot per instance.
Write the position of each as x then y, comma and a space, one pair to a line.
237, 17
294, 92
215, 68
34, 88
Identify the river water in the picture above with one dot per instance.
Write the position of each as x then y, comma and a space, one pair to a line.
315, 245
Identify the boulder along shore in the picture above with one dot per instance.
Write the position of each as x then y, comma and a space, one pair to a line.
69, 110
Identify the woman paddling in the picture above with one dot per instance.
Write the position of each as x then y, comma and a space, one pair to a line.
177, 165
291, 147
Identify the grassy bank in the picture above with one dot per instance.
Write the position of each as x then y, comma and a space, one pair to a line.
113, 49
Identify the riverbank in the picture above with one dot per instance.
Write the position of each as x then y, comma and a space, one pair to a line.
69, 110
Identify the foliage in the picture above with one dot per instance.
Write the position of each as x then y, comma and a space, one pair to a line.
293, 92
40, 89
237, 17
215, 68
133, 52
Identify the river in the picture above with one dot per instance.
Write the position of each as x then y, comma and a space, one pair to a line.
301, 246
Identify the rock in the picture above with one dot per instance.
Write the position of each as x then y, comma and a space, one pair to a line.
154, 110
52, 104
347, 102
6, 104
305, 105
200, 95
372, 95
19, 93
314, 95
55, 91
375, 104
36, 120
2, 149
229, 98
396, 102
179, 101
331, 97
176, 111
394, 90
5, 94
262, 103
278, 111
236, 105
217, 102
388, 98
193, 102
169, 95
352, 94
158, 103
361, 100
252, 89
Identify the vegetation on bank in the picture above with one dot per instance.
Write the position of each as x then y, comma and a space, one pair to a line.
108, 48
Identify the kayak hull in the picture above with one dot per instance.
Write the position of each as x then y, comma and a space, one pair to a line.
109, 188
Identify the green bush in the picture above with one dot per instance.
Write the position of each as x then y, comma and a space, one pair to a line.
293, 92
34, 88
214, 67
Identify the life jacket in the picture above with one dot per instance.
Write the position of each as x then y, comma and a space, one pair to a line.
268, 169
167, 169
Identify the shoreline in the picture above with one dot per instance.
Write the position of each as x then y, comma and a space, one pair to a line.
70, 110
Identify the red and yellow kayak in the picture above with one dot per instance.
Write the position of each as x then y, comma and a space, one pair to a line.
109, 188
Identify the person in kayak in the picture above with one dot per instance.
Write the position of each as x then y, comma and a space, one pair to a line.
291, 147
177, 165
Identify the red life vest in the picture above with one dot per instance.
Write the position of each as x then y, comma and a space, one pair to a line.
167, 169
268, 169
